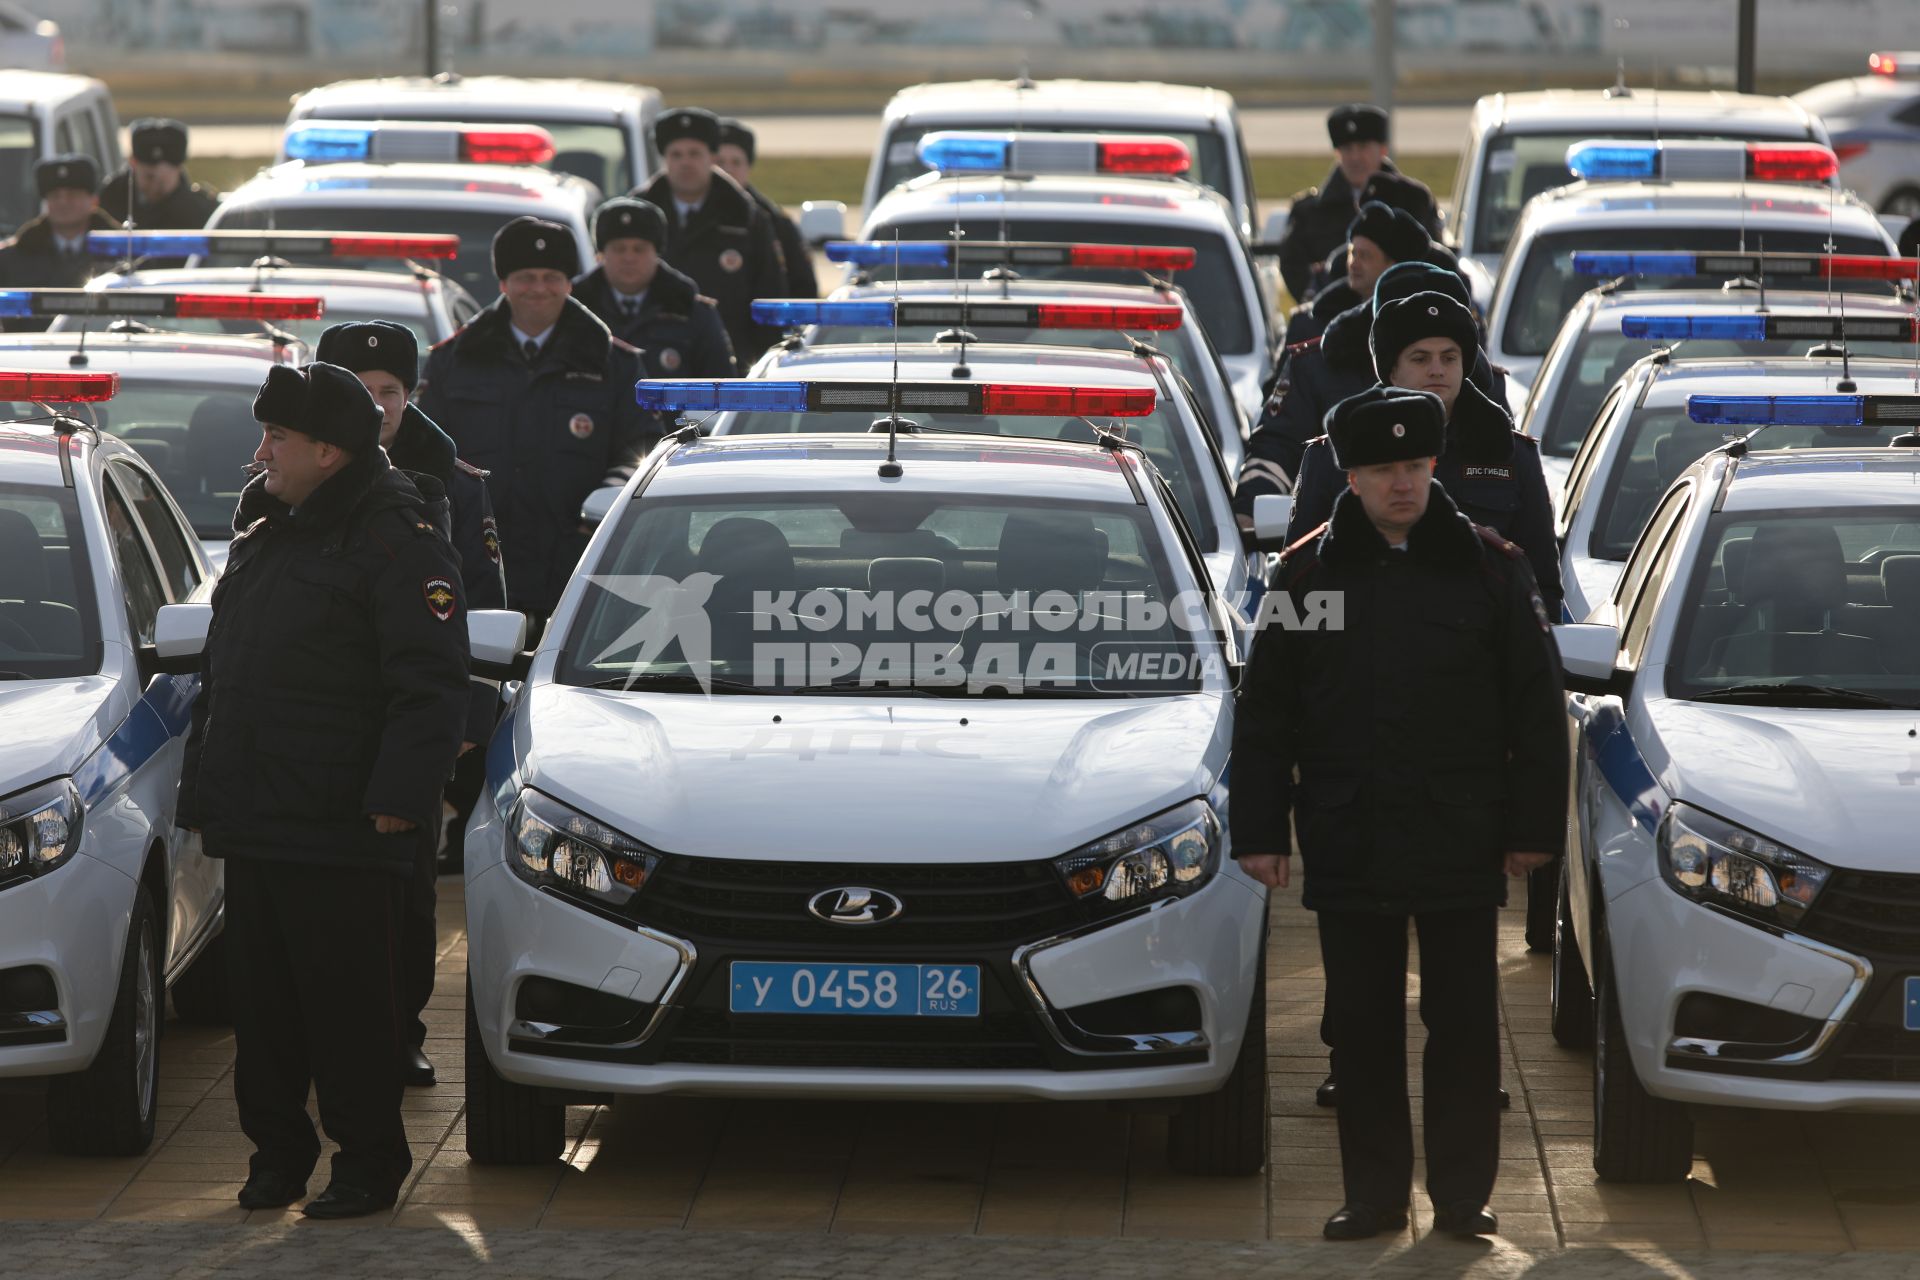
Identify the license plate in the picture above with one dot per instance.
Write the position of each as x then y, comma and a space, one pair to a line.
1913, 1003
886, 990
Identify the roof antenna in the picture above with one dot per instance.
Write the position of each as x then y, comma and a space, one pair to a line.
1846, 384
890, 469
1025, 81
959, 332
1619, 89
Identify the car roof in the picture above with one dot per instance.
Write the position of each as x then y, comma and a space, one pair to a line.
1759, 205
1803, 478
1860, 93
1091, 198
1675, 380
1077, 100
23, 90
489, 96
29, 453
239, 359
1031, 363
991, 466
1740, 302
405, 185
1572, 110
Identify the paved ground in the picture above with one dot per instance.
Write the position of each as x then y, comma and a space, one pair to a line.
818, 1189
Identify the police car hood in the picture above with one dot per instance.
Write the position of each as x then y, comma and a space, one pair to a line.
1842, 786
51, 727
867, 778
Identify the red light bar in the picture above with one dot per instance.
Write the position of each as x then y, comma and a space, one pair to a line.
1809, 163
435, 246
1844, 266
506, 146
1143, 155
1072, 402
1075, 315
59, 388
246, 306
1160, 257
1883, 64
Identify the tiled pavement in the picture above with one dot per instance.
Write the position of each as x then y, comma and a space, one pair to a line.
1047, 1188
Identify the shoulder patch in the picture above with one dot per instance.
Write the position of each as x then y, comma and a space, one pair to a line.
440, 598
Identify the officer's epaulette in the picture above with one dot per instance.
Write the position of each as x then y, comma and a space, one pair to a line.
1294, 348
449, 340
699, 298
622, 344
1305, 193
467, 468
1510, 550
1520, 437
1299, 544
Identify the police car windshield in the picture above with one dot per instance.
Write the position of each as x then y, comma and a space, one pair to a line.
19, 198
1660, 443
48, 626
1547, 287
199, 439
1214, 283
1827, 598
1160, 433
473, 268
1209, 150
1516, 167
936, 595
1600, 358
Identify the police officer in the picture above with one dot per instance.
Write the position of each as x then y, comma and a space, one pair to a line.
715, 232
1319, 217
646, 302
736, 155
1427, 342
1396, 190
50, 251
332, 699
537, 391
154, 191
1429, 738
1377, 238
386, 358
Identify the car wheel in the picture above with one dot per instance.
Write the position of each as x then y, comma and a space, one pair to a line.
200, 994
1224, 1133
507, 1123
1542, 885
1904, 203
1636, 1136
1571, 996
107, 1110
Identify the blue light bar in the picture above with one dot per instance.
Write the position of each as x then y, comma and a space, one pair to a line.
147, 244
1751, 328
322, 143
791, 312
1762, 411
1595, 161
676, 395
1628, 264
880, 253
13, 302
966, 152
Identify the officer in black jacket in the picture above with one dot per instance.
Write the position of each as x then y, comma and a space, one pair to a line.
1429, 735
50, 251
1377, 238
154, 191
1318, 220
715, 232
735, 155
386, 358
648, 304
332, 698
538, 393
1396, 190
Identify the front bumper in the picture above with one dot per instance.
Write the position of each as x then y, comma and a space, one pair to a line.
72, 924
680, 1036
1851, 1051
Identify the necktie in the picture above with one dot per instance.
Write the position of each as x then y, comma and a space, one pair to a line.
629, 308
532, 350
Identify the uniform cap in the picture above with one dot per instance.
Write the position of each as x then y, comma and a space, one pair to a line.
156, 140
73, 171
1397, 232
368, 345
320, 400
1404, 279
528, 243
686, 122
1397, 191
1357, 122
625, 217
1386, 424
733, 133
1399, 324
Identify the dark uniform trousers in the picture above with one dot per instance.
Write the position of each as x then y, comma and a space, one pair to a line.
316, 1004
1365, 956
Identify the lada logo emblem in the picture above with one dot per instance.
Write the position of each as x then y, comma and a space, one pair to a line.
854, 905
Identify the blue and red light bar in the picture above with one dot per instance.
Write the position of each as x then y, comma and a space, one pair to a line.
1773, 328
59, 388
1603, 159
270, 244
1011, 253
1805, 411
1803, 266
183, 306
1017, 151
884, 313
744, 395
390, 141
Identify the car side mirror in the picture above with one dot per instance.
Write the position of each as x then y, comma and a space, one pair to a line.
495, 639
598, 505
179, 638
822, 220
1588, 651
1271, 511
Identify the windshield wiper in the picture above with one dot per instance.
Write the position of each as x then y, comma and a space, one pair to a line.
1782, 694
16, 675
678, 682
850, 683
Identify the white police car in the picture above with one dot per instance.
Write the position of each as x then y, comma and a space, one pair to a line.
43, 114
1874, 123
1642, 439
1517, 148
1672, 208
104, 902
1063, 190
1739, 921
723, 856
1594, 349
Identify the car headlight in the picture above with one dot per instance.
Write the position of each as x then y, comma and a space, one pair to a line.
1716, 862
39, 829
560, 848
1166, 856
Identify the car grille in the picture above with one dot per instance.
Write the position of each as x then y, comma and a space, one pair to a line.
1871, 914
1880, 1047
972, 905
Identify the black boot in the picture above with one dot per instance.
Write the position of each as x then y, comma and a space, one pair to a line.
267, 1189
417, 1071
1465, 1219
342, 1201
1363, 1222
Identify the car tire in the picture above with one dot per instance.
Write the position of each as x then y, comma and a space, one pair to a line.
1904, 202
1636, 1136
1542, 885
108, 1109
507, 1123
200, 995
1570, 994
1224, 1133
